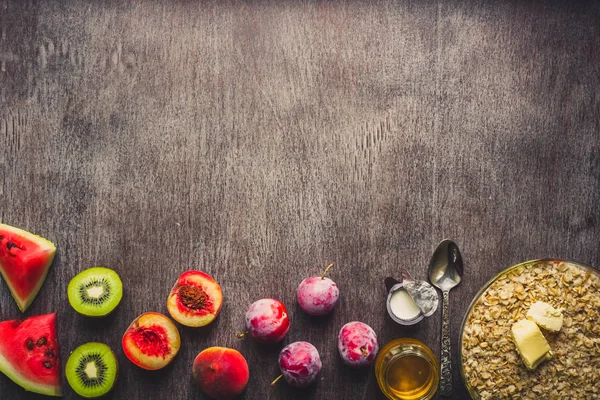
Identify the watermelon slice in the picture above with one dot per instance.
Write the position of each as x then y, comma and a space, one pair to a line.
24, 262
29, 354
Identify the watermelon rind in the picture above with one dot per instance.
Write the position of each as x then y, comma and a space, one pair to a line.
44, 245
16, 377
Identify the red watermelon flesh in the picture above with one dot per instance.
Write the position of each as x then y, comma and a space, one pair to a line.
29, 354
24, 262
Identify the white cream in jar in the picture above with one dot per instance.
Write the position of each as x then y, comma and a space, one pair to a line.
403, 306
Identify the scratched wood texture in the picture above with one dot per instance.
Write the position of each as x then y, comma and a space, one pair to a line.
259, 141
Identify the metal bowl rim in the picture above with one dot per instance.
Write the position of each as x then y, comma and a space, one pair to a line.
470, 390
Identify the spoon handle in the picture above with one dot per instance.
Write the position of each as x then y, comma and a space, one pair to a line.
446, 378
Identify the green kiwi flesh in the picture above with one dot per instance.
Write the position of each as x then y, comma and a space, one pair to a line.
95, 292
92, 369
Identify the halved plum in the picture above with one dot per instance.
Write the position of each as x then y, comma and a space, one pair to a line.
151, 341
195, 300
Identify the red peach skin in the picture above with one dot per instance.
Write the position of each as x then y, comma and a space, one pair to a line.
221, 373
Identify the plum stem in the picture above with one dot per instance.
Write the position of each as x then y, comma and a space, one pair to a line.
276, 379
364, 351
241, 334
326, 269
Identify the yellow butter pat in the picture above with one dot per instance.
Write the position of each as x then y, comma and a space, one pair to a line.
545, 316
531, 344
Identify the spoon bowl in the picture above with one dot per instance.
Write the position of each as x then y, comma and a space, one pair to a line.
446, 266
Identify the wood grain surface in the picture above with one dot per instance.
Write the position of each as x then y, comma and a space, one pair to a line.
260, 140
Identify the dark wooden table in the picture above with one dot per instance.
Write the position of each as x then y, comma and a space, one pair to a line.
259, 141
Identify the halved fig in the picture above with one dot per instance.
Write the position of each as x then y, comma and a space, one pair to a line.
195, 300
151, 341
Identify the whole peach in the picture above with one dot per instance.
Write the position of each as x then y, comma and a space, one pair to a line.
222, 373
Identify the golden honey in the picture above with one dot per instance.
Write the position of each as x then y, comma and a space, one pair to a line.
406, 369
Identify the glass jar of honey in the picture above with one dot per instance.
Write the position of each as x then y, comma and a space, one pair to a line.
406, 369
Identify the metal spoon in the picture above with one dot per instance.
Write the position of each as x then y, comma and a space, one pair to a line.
445, 272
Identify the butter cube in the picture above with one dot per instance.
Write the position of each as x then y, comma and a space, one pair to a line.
545, 316
531, 344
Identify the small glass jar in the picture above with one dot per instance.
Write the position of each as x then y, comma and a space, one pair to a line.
406, 369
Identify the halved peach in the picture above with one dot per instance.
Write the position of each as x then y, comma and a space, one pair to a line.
195, 300
221, 373
151, 341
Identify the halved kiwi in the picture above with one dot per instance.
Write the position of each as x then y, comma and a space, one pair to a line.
92, 370
95, 292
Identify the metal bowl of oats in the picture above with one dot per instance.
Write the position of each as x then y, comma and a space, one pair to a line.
489, 363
